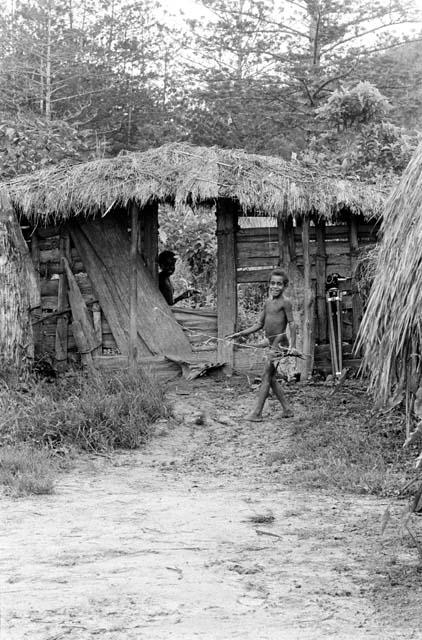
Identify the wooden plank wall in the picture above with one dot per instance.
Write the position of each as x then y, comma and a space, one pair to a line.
258, 252
333, 249
47, 246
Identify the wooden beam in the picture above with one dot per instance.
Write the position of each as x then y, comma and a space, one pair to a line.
227, 215
321, 277
354, 253
62, 304
98, 328
308, 331
133, 286
149, 238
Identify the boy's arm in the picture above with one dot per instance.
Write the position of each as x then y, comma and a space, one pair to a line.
246, 332
292, 325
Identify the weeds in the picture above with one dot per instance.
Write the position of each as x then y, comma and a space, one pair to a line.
344, 445
25, 470
93, 413
96, 413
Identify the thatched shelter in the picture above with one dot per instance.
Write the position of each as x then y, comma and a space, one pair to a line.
80, 215
391, 331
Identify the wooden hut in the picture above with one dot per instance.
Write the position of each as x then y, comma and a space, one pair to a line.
92, 232
391, 331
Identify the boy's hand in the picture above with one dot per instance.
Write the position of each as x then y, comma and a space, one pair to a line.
294, 352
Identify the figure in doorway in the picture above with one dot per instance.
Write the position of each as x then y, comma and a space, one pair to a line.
167, 264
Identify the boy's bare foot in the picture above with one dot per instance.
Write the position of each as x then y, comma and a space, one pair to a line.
287, 413
254, 418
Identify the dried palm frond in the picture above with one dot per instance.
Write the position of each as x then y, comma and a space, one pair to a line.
391, 330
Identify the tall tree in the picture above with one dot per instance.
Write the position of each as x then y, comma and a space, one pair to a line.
299, 52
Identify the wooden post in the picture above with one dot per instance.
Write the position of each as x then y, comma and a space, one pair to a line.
16, 343
149, 238
98, 329
308, 306
354, 252
227, 214
36, 311
133, 287
321, 277
62, 304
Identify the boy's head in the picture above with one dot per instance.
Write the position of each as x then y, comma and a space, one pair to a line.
278, 282
167, 261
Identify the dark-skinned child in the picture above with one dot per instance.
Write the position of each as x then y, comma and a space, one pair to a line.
274, 319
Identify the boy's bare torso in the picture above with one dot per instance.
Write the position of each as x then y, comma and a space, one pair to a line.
275, 319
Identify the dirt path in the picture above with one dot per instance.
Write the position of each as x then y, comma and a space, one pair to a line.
159, 544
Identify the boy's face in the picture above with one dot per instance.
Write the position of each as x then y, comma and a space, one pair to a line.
277, 286
168, 265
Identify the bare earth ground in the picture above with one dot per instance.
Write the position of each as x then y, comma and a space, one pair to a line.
158, 544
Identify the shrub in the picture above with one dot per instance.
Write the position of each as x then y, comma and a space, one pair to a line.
25, 470
93, 413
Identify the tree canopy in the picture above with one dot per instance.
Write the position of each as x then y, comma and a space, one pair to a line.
337, 81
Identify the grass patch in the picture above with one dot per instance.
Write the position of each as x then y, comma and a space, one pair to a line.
93, 413
343, 444
25, 470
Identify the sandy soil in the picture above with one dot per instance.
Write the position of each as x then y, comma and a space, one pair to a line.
159, 544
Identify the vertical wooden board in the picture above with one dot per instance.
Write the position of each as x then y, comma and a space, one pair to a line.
98, 328
149, 238
79, 309
308, 306
107, 250
321, 276
356, 301
62, 304
227, 213
133, 286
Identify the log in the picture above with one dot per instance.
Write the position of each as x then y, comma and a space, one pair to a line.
308, 345
133, 286
98, 328
62, 304
82, 344
356, 300
227, 213
149, 238
321, 277
80, 311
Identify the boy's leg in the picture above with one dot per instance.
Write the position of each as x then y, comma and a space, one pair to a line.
264, 389
278, 392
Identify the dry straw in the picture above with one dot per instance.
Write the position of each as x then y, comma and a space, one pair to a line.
179, 173
391, 331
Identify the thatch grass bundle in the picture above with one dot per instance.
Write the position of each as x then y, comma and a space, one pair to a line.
180, 173
391, 331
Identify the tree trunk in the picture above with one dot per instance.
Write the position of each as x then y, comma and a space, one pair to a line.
16, 344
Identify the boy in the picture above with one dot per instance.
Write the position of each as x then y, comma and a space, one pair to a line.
275, 317
167, 264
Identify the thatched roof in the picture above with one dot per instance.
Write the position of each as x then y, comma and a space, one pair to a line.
391, 331
182, 173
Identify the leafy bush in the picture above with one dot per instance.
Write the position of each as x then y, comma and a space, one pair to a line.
94, 413
191, 235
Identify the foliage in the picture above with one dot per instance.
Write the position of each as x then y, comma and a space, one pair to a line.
94, 413
191, 235
347, 446
25, 470
30, 142
357, 139
360, 105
